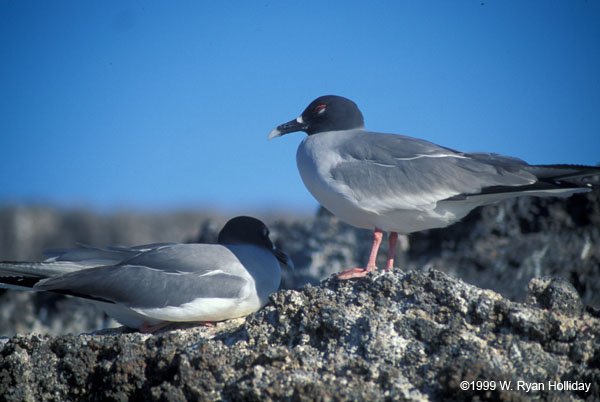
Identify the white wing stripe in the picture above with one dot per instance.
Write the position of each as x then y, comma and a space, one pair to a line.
419, 156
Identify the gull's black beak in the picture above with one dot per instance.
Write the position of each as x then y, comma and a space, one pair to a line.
283, 258
289, 127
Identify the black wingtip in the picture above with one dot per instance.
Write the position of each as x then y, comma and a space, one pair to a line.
30, 282
22, 281
567, 174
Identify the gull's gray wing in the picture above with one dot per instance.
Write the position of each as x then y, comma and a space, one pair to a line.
165, 276
93, 256
385, 171
61, 261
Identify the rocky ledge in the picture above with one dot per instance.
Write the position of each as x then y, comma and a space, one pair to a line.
391, 336
501, 247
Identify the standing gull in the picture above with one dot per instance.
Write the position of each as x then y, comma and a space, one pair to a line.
395, 183
151, 286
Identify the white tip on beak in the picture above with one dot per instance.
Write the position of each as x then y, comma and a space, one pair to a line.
289, 127
273, 134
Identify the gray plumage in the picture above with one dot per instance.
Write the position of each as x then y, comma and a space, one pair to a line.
169, 275
150, 284
395, 183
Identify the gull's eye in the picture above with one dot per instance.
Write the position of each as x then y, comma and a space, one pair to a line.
319, 109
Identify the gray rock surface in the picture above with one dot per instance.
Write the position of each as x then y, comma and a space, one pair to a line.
499, 247
503, 246
391, 336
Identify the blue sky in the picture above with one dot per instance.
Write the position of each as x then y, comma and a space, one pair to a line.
163, 105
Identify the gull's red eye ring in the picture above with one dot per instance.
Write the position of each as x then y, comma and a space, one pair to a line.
320, 108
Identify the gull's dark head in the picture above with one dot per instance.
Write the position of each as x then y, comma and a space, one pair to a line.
246, 230
326, 113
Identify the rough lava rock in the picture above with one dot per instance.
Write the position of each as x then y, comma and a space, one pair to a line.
391, 336
499, 247
411, 334
503, 246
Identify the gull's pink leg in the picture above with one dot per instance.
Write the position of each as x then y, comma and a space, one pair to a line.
148, 329
205, 323
360, 272
392, 250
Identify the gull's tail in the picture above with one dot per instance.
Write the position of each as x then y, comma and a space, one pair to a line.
552, 181
24, 275
579, 176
